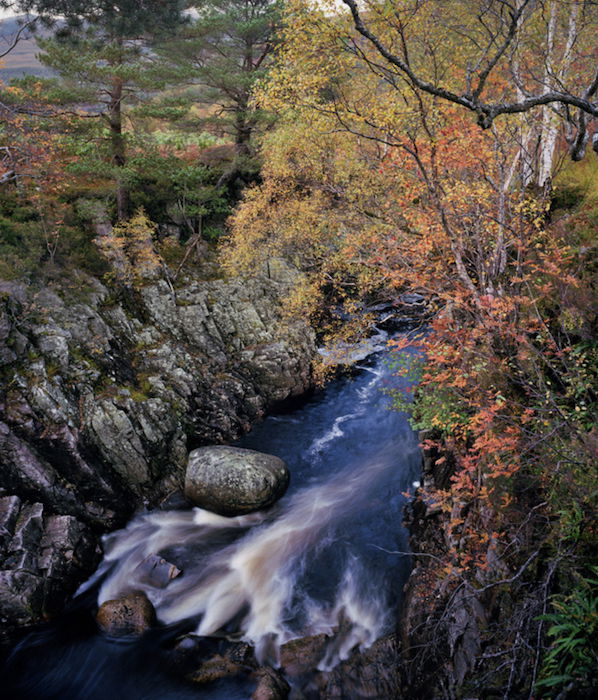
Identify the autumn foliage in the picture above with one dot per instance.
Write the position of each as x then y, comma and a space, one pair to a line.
372, 188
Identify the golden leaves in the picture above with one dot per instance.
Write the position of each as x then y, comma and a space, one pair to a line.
129, 248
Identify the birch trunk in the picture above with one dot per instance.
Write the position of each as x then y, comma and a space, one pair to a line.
554, 77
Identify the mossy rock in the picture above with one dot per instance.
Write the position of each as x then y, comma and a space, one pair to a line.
234, 481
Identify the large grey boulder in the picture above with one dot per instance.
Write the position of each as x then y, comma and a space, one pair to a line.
233, 481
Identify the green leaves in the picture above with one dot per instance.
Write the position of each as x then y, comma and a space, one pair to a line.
103, 19
223, 53
572, 658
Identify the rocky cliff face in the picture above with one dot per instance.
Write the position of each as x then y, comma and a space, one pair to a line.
102, 397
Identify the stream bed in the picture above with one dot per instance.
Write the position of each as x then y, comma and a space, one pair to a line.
323, 560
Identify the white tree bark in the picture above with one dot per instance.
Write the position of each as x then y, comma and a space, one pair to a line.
553, 77
549, 129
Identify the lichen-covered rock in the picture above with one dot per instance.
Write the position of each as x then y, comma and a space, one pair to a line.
129, 616
100, 390
234, 481
43, 556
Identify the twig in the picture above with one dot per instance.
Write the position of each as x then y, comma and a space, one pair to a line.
17, 37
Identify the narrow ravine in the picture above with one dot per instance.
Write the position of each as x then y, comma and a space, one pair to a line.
323, 560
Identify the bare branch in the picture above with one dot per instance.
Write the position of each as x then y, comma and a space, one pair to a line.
514, 24
486, 111
17, 37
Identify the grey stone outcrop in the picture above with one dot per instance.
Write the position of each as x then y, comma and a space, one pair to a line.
102, 391
42, 557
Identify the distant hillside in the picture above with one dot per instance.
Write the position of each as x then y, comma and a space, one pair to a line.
22, 59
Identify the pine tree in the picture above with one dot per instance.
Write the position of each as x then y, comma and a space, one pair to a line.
101, 50
223, 52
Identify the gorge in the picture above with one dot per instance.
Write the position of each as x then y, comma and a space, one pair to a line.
324, 562
98, 399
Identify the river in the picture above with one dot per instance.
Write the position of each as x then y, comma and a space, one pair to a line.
322, 560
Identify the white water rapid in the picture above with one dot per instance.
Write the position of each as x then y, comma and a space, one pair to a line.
249, 589
312, 564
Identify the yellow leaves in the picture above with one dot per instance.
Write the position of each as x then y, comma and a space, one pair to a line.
129, 249
13, 90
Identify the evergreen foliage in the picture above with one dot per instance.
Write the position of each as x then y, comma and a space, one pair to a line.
372, 186
222, 54
105, 19
101, 52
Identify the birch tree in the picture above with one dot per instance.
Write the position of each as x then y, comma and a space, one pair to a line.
512, 57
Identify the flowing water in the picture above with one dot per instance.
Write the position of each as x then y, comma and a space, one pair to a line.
324, 559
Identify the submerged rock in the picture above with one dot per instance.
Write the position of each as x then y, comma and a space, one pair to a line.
156, 571
216, 668
271, 685
131, 615
369, 673
234, 481
210, 661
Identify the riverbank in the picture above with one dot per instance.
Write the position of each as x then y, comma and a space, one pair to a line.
104, 392
325, 552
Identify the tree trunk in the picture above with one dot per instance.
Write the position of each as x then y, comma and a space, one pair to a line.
554, 75
549, 128
243, 130
118, 147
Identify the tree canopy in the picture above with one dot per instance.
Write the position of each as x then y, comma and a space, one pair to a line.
121, 18
221, 55
512, 40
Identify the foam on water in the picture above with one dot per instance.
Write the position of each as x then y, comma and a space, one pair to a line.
306, 567
335, 432
249, 589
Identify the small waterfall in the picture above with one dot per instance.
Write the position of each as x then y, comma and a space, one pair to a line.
250, 588
319, 562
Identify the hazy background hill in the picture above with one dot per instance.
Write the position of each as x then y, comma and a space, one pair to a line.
22, 59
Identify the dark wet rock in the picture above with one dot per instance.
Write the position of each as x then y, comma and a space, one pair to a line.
216, 668
131, 615
408, 310
373, 673
400, 313
234, 481
156, 571
188, 653
271, 685
412, 299
175, 501
34, 468
233, 661
22, 594
369, 673
301, 656
215, 659
43, 558
24, 547
9, 512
